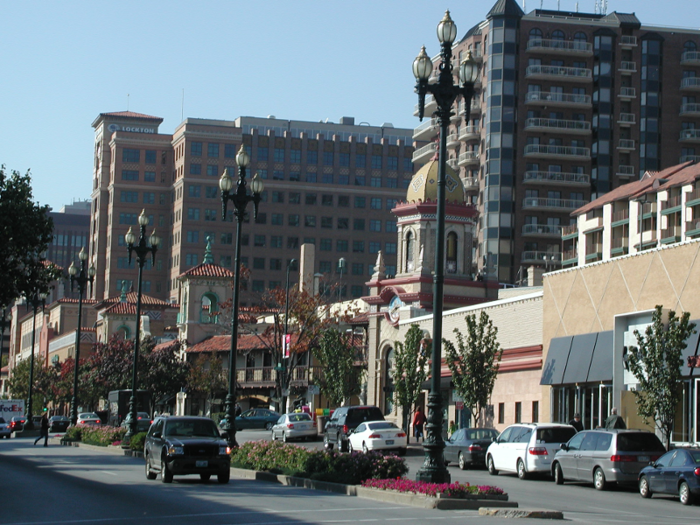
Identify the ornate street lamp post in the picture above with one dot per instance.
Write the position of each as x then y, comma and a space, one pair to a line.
37, 300
240, 199
445, 93
141, 250
82, 277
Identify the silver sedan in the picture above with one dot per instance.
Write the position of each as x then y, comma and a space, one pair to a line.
294, 426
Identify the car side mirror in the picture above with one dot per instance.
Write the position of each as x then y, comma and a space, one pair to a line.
157, 434
564, 446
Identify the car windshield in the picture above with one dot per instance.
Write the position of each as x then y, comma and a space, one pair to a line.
199, 428
695, 454
481, 433
299, 417
555, 434
381, 425
2, 420
639, 442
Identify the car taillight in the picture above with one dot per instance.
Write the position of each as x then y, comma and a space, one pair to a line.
654, 458
401, 435
697, 471
290, 425
473, 448
538, 451
374, 436
618, 458
345, 429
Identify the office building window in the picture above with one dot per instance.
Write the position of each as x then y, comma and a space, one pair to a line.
391, 204
195, 169
343, 223
390, 248
294, 197
212, 171
326, 245
375, 203
327, 178
275, 241
310, 177
193, 236
131, 155
327, 200
391, 183
344, 160
277, 219
210, 215
325, 267
358, 269
326, 222
390, 227
193, 214
213, 151
245, 240
312, 157
278, 175
343, 201
230, 151
128, 218
344, 179
194, 190
341, 246
360, 160
293, 219
258, 286
310, 240
375, 182
225, 261
149, 176
358, 224
130, 175
295, 156
310, 221
262, 218
375, 225
360, 180
149, 197
259, 240
374, 246
292, 243
226, 238
376, 162
151, 156
196, 149
358, 246
275, 264
278, 154
408, 165
392, 163
212, 192
129, 196
262, 173
294, 176
328, 158
360, 202
262, 153
356, 290
258, 263
191, 259
278, 197
310, 199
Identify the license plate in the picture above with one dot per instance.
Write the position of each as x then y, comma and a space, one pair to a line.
643, 458
202, 464
389, 441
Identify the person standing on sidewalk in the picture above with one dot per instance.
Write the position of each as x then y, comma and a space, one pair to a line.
44, 431
418, 422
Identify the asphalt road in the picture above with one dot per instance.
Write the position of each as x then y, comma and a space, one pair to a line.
68, 485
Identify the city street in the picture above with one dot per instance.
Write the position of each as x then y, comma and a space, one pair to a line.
79, 485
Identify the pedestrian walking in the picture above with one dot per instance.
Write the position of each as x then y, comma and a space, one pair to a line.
576, 422
418, 422
614, 421
44, 430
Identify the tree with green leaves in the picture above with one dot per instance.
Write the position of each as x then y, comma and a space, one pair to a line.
208, 378
165, 374
656, 362
474, 362
25, 233
341, 379
44, 379
410, 372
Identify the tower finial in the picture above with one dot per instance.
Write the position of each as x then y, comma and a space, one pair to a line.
208, 257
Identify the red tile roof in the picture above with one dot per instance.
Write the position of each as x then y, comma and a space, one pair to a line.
208, 270
75, 301
131, 298
222, 343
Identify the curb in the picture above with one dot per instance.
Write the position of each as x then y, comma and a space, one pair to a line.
111, 449
542, 514
412, 500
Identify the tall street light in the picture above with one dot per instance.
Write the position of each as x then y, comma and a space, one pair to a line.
5, 322
445, 92
341, 269
286, 345
82, 277
37, 300
141, 250
240, 199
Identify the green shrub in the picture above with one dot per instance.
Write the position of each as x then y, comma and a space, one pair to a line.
333, 466
102, 435
137, 441
74, 433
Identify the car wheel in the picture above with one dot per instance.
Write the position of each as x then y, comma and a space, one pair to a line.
272, 436
558, 474
364, 448
644, 490
327, 444
165, 475
204, 477
285, 439
224, 477
491, 466
350, 449
149, 473
599, 479
268, 426
460, 461
520, 467
342, 445
684, 494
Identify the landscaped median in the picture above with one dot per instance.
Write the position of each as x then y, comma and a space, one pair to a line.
368, 475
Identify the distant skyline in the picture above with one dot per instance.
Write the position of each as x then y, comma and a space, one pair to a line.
63, 63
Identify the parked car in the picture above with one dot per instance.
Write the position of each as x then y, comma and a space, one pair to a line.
143, 421
676, 472
5, 429
257, 418
525, 448
606, 456
58, 423
467, 447
17, 423
186, 445
378, 435
346, 419
294, 426
89, 418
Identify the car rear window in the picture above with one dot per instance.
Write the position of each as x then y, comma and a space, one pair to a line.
482, 434
641, 442
378, 426
359, 415
299, 417
695, 454
555, 434
2, 420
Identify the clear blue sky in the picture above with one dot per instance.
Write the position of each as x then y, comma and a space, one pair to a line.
65, 62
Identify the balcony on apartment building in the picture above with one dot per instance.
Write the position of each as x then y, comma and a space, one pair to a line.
690, 135
555, 99
624, 170
627, 93
562, 73
619, 246
556, 177
594, 251
427, 130
649, 239
690, 84
671, 205
570, 231
627, 67
692, 229
620, 217
266, 376
452, 163
571, 127
535, 257
563, 205
628, 41
670, 235
547, 151
559, 47
468, 157
690, 58
626, 145
691, 109
475, 106
471, 183
453, 140
425, 153
469, 133
569, 258
541, 230
626, 119
430, 106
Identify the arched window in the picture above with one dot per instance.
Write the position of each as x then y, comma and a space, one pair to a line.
410, 242
535, 33
123, 332
389, 382
690, 46
210, 309
558, 35
451, 255
580, 37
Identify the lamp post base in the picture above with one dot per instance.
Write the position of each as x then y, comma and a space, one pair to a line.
431, 471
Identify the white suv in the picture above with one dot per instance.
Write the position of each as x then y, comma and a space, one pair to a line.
527, 447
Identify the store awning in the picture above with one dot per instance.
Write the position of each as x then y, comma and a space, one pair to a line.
445, 383
579, 358
602, 361
557, 356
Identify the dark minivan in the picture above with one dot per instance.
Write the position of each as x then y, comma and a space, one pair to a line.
344, 420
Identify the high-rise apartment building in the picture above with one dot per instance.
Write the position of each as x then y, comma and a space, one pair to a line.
569, 106
329, 184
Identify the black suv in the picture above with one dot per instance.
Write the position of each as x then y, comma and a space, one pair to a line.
344, 420
186, 445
